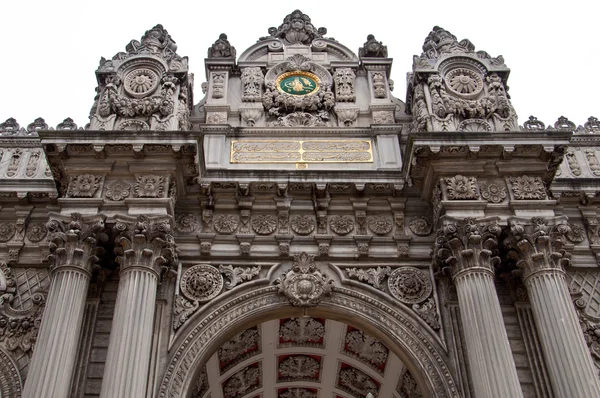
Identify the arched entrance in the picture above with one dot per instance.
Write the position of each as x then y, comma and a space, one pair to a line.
406, 335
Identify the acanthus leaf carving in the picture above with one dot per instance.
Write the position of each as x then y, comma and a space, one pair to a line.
238, 275
225, 223
303, 331
252, 82
298, 368
460, 188
428, 312
344, 85
182, 310
149, 186
264, 224
84, 185
372, 276
527, 188
304, 285
341, 224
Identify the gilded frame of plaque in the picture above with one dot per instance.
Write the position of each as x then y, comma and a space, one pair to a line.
298, 83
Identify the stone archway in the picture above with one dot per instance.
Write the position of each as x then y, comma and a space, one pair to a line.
401, 330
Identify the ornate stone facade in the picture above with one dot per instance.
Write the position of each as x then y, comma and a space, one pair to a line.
299, 231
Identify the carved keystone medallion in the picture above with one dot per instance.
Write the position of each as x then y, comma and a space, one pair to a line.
304, 285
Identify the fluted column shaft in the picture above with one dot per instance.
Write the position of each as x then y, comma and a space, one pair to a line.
465, 248
145, 247
491, 363
568, 360
128, 358
55, 351
73, 254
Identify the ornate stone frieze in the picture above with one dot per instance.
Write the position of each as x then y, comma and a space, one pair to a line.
366, 348
14, 162
303, 224
493, 191
380, 225
420, 226
538, 244
462, 245
304, 285
241, 347
74, 239
145, 241
372, 276
571, 159
221, 48
372, 49
592, 160
304, 331
461, 188
264, 224
238, 275
298, 368
297, 29
341, 224
225, 223
409, 285
527, 188
201, 283
252, 81
84, 185
356, 382
149, 186
187, 223
344, 85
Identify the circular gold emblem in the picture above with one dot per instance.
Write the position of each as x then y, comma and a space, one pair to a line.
298, 83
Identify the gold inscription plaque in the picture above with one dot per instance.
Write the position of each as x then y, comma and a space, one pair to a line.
296, 151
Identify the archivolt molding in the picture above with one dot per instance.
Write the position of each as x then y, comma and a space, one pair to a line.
420, 350
10, 379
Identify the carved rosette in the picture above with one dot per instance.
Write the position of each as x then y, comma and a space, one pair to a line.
145, 242
36, 232
201, 283
84, 186
527, 188
538, 244
149, 186
494, 192
304, 285
460, 188
187, 223
7, 231
74, 239
118, 190
225, 223
467, 244
409, 285
303, 224
341, 225
380, 225
264, 224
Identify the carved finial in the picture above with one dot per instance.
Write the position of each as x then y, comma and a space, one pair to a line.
441, 41
373, 49
9, 127
221, 48
297, 29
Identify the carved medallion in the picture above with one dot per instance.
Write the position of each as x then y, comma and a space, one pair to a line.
201, 283
118, 190
493, 192
264, 224
84, 185
225, 223
464, 82
526, 187
409, 285
341, 225
304, 285
7, 231
298, 83
303, 224
140, 82
186, 223
380, 225
149, 186
576, 233
36, 232
420, 226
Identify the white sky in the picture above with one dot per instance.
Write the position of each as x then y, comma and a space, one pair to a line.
51, 49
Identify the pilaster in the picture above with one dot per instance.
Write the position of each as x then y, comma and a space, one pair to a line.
467, 248
538, 244
73, 248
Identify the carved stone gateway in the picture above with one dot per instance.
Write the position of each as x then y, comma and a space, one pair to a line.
299, 230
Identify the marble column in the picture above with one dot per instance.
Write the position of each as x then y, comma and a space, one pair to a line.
464, 248
146, 246
538, 245
73, 248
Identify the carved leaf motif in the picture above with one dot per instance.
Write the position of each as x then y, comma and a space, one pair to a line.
299, 367
428, 312
302, 331
240, 347
526, 187
237, 275
225, 223
149, 186
366, 348
373, 276
182, 311
84, 186
356, 382
243, 382
460, 188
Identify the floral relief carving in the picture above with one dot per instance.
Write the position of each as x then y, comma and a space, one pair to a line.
303, 224
182, 309
380, 225
118, 190
356, 382
297, 393
304, 331
264, 224
409, 285
201, 283
243, 382
383, 117
464, 82
576, 234
304, 285
494, 192
240, 347
14, 162
298, 368
252, 81
341, 224
428, 312
344, 85
460, 188
187, 223
526, 187
19, 328
149, 186
7, 231
84, 185
407, 386
141, 82
420, 226
373, 276
366, 348
572, 162
36, 232
237, 275
225, 223
592, 160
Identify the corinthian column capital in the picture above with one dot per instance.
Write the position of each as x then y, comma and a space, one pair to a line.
145, 242
537, 244
73, 240
468, 244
